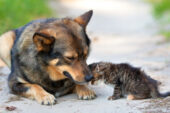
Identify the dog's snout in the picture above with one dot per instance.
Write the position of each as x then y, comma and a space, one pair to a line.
88, 78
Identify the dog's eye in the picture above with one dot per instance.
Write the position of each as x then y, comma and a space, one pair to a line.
70, 58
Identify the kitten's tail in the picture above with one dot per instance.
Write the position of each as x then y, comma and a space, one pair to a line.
157, 94
165, 94
154, 89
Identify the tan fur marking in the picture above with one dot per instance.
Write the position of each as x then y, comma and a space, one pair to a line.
76, 72
39, 94
54, 61
70, 54
54, 73
6, 43
130, 97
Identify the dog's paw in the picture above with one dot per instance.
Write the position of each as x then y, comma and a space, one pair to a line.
46, 99
87, 95
84, 93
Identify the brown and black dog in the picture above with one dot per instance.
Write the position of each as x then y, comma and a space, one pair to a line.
48, 58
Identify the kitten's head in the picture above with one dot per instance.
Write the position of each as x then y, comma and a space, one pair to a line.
98, 70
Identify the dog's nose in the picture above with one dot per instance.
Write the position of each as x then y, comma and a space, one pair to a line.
88, 78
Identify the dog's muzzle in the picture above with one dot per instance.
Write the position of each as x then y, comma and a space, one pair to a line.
87, 78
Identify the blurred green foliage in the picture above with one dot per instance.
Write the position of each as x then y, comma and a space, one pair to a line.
161, 7
161, 11
15, 13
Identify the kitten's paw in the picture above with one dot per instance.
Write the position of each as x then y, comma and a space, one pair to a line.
130, 97
112, 98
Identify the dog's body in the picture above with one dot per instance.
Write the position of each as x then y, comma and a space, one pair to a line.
128, 80
48, 57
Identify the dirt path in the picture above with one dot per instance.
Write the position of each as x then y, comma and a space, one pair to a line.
121, 31
125, 31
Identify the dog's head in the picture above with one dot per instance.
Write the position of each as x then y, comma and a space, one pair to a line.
64, 47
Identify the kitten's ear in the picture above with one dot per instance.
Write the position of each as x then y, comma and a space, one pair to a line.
92, 66
43, 42
84, 19
100, 68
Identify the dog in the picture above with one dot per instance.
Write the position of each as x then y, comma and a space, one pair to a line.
128, 80
47, 58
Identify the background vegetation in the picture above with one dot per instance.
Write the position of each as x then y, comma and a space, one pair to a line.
15, 13
161, 11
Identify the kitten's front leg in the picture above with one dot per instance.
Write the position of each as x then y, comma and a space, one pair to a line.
117, 92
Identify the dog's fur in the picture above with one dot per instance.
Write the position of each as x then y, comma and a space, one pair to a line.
127, 79
48, 57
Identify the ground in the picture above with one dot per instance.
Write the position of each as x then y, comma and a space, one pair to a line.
121, 31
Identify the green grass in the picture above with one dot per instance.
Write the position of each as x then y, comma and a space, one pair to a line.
15, 13
166, 34
161, 7
161, 11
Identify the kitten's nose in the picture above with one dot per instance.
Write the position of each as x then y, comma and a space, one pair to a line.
88, 78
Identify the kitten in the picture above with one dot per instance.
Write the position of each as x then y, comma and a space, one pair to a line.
128, 80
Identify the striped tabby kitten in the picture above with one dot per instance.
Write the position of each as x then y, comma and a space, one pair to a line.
128, 81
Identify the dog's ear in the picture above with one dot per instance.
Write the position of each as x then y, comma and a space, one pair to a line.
84, 19
43, 42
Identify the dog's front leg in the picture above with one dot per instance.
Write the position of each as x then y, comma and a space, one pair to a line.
35, 92
84, 93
